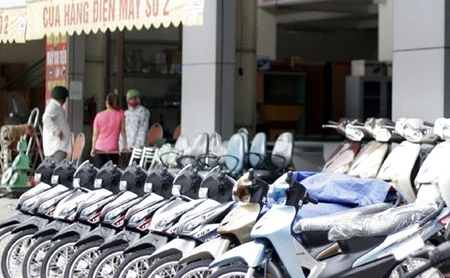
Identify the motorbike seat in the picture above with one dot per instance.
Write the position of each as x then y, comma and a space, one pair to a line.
326, 222
380, 224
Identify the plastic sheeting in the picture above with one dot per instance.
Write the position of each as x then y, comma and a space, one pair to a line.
380, 224
325, 223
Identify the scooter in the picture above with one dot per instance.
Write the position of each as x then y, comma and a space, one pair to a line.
113, 219
363, 247
158, 186
108, 195
42, 207
197, 227
164, 223
250, 194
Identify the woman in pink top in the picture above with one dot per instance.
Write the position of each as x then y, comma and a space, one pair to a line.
108, 125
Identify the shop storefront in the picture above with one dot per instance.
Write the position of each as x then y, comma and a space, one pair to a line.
143, 39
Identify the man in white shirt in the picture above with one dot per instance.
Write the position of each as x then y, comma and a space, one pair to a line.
56, 134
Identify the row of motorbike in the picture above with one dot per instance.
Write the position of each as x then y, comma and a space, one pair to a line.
359, 216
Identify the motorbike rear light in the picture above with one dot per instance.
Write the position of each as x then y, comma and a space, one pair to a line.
443, 220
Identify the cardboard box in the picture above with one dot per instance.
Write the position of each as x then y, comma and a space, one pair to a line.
366, 68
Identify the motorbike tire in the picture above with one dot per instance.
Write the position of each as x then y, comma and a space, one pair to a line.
30, 255
5, 237
23, 235
57, 246
192, 269
132, 258
158, 265
105, 255
82, 250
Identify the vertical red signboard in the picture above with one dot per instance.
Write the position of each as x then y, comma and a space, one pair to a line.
56, 66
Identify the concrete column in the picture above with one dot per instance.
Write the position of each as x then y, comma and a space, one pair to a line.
208, 82
421, 59
267, 34
385, 29
245, 93
75, 107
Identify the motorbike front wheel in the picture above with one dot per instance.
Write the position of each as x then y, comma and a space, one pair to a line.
31, 267
135, 265
106, 265
82, 260
55, 261
14, 253
166, 267
5, 237
197, 269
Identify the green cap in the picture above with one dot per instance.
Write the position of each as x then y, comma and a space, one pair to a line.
60, 93
132, 93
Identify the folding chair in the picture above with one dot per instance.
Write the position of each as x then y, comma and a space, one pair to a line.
148, 155
78, 147
136, 155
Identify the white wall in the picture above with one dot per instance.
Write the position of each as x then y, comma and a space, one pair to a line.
339, 45
266, 34
385, 30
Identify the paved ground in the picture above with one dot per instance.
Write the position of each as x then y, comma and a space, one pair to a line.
7, 207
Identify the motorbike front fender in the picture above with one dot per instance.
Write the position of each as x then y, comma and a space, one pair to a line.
52, 228
73, 229
14, 220
251, 253
96, 234
210, 249
148, 241
176, 246
34, 222
123, 237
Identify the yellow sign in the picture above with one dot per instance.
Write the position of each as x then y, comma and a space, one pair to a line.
76, 16
13, 22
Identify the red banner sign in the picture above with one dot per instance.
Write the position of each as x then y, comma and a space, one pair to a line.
56, 65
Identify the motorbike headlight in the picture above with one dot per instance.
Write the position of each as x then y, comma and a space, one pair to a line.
135, 219
55, 179
148, 187
412, 134
123, 185
109, 217
98, 183
162, 224
203, 193
85, 213
381, 134
66, 212
176, 190
354, 134
446, 133
28, 204
192, 225
77, 183
37, 177
46, 205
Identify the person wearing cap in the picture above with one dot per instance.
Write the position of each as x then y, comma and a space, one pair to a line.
56, 130
137, 118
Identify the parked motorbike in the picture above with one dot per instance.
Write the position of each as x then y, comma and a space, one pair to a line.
158, 187
41, 207
197, 227
365, 242
83, 212
250, 194
113, 218
164, 223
